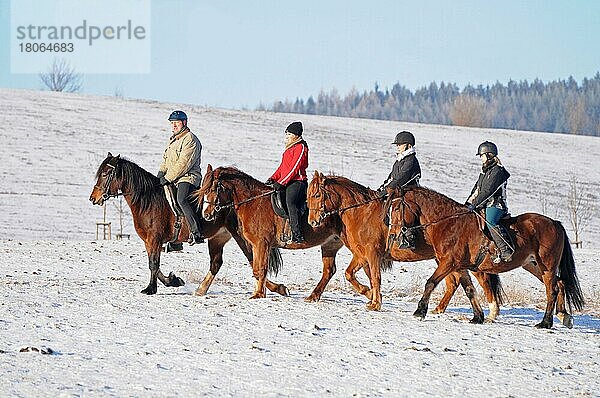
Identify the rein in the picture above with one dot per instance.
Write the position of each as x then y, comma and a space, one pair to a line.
219, 207
423, 226
324, 214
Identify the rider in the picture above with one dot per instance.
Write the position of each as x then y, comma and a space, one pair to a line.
181, 166
291, 176
405, 172
490, 192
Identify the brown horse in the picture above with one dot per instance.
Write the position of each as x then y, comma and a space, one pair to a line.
458, 242
228, 187
154, 221
361, 213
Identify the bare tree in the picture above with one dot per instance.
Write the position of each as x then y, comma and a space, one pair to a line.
580, 207
61, 77
122, 211
470, 111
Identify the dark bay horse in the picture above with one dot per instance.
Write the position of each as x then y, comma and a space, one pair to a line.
228, 187
154, 222
458, 241
364, 232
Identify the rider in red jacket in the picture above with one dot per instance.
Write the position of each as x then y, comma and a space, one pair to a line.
291, 176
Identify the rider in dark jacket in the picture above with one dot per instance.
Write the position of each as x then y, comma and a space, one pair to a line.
405, 173
489, 192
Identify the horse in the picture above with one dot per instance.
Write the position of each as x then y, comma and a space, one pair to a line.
361, 212
456, 235
228, 187
154, 222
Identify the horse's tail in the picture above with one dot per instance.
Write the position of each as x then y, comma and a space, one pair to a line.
275, 261
567, 274
496, 287
385, 265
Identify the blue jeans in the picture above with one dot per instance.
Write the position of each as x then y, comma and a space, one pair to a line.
493, 215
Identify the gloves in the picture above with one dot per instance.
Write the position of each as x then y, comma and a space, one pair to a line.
269, 181
381, 192
164, 181
277, 186
470, 207
160, 174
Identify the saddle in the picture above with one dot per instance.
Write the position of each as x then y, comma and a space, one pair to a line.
508, 233
279, 206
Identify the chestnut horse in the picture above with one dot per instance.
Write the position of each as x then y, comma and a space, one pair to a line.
154, 222
228, 187
361, 213
458, 241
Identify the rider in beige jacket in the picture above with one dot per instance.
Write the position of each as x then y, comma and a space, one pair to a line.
181, 166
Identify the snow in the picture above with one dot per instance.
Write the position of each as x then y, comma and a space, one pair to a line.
61, 290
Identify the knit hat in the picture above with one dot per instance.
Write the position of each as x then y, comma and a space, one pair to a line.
294, 128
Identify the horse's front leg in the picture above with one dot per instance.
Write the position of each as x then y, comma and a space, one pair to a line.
328, 252
443, 269
153, 251
215, 251
452, 282
259, 269
375, 270
353, 267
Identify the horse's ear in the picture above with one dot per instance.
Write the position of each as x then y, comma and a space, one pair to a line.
209, 169
109, 155
118, 156
321, 176
316, 175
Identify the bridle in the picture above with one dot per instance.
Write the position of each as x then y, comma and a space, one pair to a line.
105, 188
324, 213
217, 203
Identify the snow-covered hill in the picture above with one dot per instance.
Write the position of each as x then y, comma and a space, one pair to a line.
54, 142
79, 300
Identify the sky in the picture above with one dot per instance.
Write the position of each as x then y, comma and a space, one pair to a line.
239, 54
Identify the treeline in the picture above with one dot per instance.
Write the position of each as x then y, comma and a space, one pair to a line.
558, 106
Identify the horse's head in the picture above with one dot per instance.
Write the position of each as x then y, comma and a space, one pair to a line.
107, 185
401, 212
215, 194
317, 199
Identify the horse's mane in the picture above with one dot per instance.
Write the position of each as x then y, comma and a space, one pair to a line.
143, 187
230, 173
359, 191
433, 196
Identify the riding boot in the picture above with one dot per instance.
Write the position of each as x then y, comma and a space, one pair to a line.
407, 239
501, 240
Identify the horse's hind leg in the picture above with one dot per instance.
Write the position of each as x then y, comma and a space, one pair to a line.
492, 296
328, 252
467, 284
153, 249
550, 281
561, 311
452, 282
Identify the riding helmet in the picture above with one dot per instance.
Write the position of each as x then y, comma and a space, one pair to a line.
487, 147
177, 115
404, 137
295, 128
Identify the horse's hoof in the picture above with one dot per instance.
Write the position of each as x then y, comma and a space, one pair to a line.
565, 319
200, 292
149, 290
476, 320
257, 296
489, 320
543, 325
419, 315
175, 281
438, 311
312, 298
374, 306
283, 290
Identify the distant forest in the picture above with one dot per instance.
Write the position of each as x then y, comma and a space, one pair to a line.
562, 106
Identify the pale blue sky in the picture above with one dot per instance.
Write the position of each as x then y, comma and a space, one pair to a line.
240, 53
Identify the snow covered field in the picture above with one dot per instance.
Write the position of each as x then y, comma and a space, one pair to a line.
61, 291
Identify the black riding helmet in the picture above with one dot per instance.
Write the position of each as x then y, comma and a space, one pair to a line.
487, 147
404, 137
